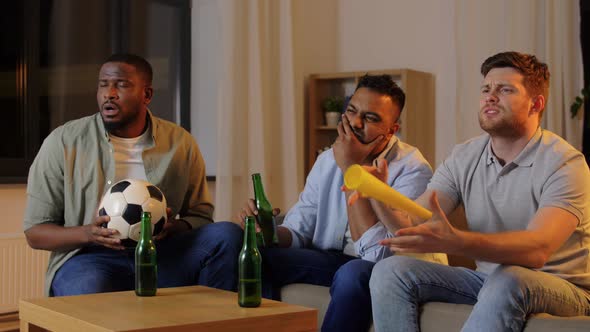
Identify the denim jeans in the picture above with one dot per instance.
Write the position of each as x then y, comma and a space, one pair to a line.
347, 277
350, 304
502, 300
206, 256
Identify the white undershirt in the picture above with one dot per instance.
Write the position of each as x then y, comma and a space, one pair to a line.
127, 154
348, 242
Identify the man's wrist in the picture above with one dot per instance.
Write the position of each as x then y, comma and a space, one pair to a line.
345, 167
187, 224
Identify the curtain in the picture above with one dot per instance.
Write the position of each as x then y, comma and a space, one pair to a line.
550, 29
256, 112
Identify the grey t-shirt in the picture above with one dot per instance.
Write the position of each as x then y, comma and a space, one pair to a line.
547, 172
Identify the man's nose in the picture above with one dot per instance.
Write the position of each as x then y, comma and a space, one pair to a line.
110, 93
491, 97
356, 121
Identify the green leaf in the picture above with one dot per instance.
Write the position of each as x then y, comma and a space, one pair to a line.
574, 109
579, 101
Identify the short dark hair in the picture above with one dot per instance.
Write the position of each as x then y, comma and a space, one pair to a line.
383, 84
536, 73
140, 64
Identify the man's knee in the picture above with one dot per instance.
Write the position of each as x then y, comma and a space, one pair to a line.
353, 275
390, 270
87, 280
509, 279
225, 230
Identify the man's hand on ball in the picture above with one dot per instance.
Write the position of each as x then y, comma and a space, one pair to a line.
98, 234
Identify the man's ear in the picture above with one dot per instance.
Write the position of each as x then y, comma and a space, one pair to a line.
148, 94
538, 104
394, 129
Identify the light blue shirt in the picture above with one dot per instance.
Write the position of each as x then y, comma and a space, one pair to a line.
319, 218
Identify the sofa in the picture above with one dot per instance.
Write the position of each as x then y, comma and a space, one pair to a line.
435, 316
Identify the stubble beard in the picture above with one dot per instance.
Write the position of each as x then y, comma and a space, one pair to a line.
501, 127
113, 126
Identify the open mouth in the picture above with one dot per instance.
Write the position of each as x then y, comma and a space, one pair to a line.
490, 111
110, 109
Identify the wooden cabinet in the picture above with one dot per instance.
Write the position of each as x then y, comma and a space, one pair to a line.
416, 122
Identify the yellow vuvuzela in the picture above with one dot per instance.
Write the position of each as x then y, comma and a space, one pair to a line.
357, 178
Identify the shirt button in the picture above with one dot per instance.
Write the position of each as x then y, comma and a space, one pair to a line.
109, 182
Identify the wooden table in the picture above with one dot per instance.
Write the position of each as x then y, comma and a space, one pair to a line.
194, 308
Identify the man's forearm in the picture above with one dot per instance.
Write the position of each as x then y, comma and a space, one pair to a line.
56, 238
395, 219
361, 216
392, 219
523, 248
547, 231
285, 237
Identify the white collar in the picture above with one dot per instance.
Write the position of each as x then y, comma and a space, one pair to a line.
385, 152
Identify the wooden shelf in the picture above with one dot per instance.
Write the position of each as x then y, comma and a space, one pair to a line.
416, 122
326, 128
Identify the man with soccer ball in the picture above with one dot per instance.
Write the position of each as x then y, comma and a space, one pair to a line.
81, 159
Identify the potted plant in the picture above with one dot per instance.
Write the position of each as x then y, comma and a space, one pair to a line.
333, 109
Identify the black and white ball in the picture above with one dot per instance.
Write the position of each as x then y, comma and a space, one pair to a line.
126, 200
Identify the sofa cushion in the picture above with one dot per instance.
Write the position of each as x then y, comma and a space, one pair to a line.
435, 316
308, 296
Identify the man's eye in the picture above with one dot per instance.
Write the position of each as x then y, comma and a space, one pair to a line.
123, 84
102, 84
350, 110
505, 90
372, 119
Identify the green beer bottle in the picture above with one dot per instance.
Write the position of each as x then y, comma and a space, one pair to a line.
146, 268
266, 220
249, 268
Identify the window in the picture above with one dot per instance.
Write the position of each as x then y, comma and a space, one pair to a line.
51, 54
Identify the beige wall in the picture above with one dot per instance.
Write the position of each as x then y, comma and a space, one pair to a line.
12, 205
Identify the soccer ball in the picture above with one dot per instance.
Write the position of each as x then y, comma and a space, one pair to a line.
126, 200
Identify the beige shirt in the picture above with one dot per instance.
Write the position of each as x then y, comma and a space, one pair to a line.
75, 165
547, 172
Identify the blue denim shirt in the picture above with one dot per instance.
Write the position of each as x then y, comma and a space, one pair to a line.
319, 218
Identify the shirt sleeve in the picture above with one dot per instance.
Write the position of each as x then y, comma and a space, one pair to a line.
368, 247
301, 218
45, 184
567, 187
443, 180
409, 176
413, 179
197, 208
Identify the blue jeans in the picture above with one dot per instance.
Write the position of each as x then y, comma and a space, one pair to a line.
347, 276
205, 256
502, 300
350, 304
